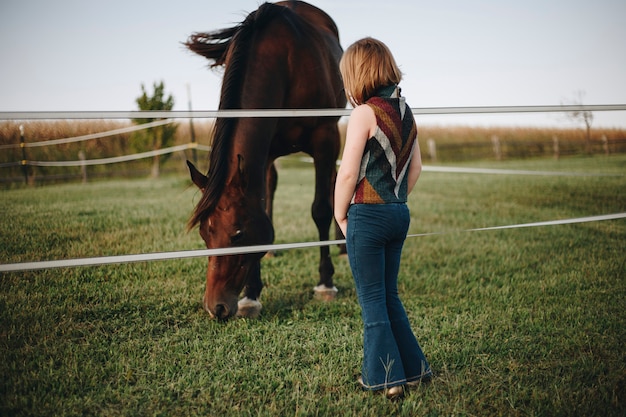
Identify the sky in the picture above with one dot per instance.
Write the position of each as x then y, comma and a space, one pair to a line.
88, 55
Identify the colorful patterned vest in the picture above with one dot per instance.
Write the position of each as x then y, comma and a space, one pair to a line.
382, 177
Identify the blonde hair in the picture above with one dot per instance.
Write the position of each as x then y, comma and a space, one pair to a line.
366, 66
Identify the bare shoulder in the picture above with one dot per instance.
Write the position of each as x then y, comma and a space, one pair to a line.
364, 117
363, 111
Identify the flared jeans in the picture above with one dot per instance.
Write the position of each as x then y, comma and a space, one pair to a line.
391, 354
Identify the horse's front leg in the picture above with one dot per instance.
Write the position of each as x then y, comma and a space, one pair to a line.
271, 181
250, 306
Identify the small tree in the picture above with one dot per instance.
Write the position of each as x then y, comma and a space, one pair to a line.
584, 116
160, 136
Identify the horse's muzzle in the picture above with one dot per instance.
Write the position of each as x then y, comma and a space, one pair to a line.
221, 310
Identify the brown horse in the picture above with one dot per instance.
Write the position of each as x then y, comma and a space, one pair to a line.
282, 56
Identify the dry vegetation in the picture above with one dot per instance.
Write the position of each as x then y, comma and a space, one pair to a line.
453, 144
470, 143
115, 145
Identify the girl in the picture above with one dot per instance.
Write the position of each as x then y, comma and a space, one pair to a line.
380, 165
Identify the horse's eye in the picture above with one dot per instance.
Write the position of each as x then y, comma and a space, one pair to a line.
236, 237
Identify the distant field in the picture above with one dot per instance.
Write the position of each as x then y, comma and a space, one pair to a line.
452, 144
515, 322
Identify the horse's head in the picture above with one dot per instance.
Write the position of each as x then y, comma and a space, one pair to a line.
236, 219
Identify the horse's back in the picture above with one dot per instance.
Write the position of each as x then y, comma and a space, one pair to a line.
311, 44
313, 15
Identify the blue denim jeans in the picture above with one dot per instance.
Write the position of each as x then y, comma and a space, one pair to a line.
391, 354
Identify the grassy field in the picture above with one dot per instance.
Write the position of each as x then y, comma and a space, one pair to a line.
515, 322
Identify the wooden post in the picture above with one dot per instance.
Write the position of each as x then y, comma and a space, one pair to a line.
156, 145
432, 150
24, 161
555, 146
83, 166
605, 145
154, 173
497, 148
194, 152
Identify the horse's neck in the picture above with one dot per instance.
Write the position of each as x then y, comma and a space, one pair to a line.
249, 155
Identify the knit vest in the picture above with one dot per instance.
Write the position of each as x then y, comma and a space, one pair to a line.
387, 155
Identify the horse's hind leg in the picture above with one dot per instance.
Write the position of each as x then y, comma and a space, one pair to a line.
339, 236
325, 155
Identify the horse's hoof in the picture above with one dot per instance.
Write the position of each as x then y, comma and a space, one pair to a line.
324, 293
248, 308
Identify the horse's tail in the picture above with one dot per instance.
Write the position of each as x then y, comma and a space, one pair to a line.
212, 45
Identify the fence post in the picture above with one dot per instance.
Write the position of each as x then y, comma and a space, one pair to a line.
194, 152
156, 146
432, 150
555, 146
83, 166
24, 161
497, 148
605, 145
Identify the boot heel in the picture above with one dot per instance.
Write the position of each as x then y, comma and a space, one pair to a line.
395, 393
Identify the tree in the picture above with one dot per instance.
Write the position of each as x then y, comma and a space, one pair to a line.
159, 136
584, 116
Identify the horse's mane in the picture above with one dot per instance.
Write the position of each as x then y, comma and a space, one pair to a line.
232, 44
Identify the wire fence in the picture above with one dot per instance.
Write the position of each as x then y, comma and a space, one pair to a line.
496, 147
161, 256
156, 114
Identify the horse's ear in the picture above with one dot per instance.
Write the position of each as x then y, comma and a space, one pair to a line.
198, 178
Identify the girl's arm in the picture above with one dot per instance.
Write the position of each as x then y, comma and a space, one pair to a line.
415, 167
361, 127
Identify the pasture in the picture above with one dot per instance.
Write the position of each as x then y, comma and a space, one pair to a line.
526, 321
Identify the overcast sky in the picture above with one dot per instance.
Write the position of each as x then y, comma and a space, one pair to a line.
67, 55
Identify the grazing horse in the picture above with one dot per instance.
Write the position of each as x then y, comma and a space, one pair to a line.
282, 56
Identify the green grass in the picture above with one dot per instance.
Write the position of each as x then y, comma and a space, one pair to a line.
515, 322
